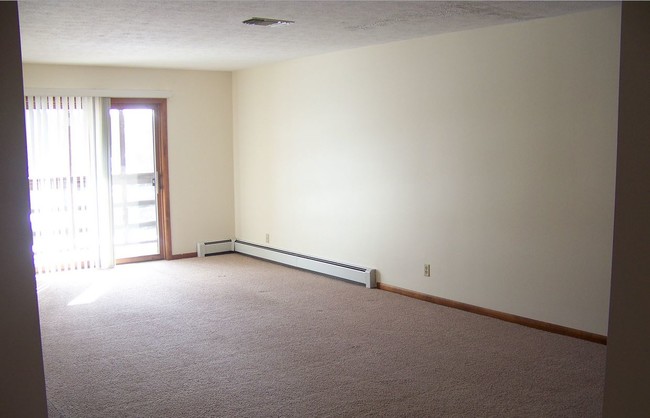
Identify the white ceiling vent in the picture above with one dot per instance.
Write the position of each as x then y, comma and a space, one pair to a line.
263, 21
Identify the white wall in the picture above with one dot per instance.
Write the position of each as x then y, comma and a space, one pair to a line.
199, 115
489, 154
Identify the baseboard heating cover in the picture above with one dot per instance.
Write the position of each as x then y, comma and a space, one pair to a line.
331, 268
214, 247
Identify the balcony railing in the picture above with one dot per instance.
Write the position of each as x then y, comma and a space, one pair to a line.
64, 226
65, 222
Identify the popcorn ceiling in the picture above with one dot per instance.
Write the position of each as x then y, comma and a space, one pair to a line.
210, 35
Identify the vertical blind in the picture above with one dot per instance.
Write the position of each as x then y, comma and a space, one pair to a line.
69, 181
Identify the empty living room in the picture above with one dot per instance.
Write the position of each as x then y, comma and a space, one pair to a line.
324, 208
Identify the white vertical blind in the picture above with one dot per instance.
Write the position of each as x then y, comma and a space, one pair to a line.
69, 177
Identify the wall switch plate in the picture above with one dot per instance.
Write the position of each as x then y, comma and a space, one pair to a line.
427, 270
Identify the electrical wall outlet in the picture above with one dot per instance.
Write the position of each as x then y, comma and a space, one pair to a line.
427, 270
268, 238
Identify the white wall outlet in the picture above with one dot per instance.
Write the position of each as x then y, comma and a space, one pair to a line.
268, 238
427, 270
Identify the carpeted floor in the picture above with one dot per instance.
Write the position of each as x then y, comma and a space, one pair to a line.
233, 336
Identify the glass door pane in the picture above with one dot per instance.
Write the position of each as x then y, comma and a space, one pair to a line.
135, 192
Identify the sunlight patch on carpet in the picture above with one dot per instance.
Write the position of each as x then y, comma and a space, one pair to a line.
90, 295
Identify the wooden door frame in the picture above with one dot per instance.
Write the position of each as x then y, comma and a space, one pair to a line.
162, 165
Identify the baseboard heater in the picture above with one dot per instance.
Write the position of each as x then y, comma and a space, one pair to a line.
331, 268
214, 247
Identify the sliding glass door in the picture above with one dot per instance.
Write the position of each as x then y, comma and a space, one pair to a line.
97, 197
136, 165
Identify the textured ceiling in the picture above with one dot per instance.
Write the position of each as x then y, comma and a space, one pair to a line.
210, 34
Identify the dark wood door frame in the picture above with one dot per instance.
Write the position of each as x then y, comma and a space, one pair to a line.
165, 230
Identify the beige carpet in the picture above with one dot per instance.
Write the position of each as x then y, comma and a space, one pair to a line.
233, 336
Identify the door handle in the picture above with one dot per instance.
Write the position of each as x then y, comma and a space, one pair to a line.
155, 181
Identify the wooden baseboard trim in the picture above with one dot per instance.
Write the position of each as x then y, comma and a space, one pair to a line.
185, 255
532, 323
